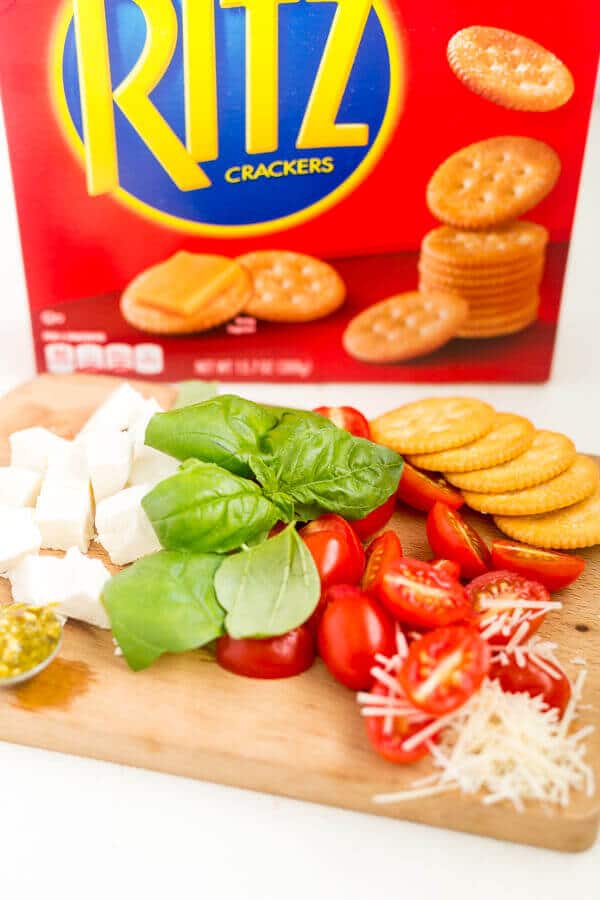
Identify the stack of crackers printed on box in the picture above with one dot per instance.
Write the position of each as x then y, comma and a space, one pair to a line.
480, 272
533, 482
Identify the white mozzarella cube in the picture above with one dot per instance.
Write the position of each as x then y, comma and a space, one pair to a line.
67, 465
118, 411
64, 515
139, 423
109, 455
74, 583
19, 536
123, 527
18, 486
151, 466
31, 447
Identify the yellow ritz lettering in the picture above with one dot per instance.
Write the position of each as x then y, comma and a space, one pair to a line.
181, 161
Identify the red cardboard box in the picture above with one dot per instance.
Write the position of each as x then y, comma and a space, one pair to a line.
142, 128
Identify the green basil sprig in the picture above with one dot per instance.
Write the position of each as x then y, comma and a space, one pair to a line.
204, 508
164, 603
269, 589
226, 430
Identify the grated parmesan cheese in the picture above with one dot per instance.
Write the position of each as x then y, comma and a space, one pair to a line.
508, 747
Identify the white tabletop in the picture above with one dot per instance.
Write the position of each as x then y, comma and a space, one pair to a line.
97, 829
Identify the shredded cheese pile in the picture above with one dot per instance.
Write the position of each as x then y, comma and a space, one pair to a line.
508, 747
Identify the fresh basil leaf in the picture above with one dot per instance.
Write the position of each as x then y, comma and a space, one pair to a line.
269, 589
326, 469
191, 392
226, 431
164, 603
205, 509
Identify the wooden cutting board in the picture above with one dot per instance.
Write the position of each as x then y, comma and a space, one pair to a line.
302, 737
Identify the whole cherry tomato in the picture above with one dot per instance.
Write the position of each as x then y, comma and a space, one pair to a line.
444, 668
336, 550
533, 680
416, 594
451, 537
346, 418
376, 519
275, 657
421, 491
448, 566
381, 552
552, 569
503, 602
390, 744
353, 629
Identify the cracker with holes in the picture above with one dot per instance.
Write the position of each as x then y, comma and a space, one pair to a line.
434, 424
509, 69
404, 327
188, 293
492, 181
291, 287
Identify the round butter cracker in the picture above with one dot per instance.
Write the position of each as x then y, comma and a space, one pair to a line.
492, 181
510, 436
509, 69
579, 481
573, 528
438, 423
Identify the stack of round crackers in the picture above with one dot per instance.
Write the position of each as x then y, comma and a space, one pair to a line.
483, 253
533, 482
497, 271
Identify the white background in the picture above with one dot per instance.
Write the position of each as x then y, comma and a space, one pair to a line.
74, 828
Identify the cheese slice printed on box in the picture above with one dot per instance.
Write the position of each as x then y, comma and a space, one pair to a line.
19, 486
64, 515
31, 447
19, 536
109, 456
74, 583
186, 282
123, 527
118, 411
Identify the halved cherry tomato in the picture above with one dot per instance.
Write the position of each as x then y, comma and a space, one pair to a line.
421, 491
417, 594
381, 552
353, 629
503, 601
448, 566
389, 744
444, 668
376, 519
347, 418
553, 570
533, 680
336, 550
276, 657
451, 537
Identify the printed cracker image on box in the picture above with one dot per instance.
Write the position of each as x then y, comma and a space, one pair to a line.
299, 189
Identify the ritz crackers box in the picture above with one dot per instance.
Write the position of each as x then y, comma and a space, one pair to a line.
142, 128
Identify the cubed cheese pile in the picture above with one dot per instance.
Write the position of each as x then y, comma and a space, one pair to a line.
56, 494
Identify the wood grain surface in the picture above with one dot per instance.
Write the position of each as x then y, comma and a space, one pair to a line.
302, 737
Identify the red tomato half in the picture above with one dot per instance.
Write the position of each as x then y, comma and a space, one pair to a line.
381, 552
504, 594
376, 519
448, 566
451, 537
390, 745
553, 570
421, 491
276, 657
444, 668
336, 550
416, 594
347, 418
353, 629
535, 681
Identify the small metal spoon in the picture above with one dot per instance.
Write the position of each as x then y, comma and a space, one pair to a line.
31, 673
